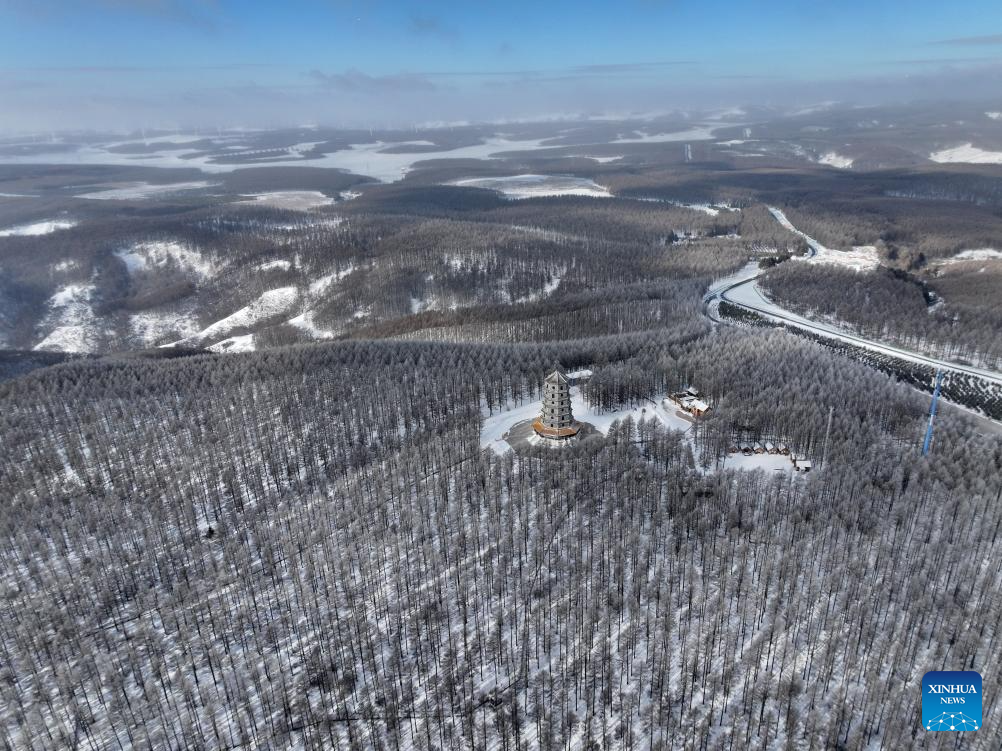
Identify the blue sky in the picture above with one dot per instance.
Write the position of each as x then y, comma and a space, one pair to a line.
165, 63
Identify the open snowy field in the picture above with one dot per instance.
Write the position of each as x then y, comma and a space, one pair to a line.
701, 133
765, 462
161, 253
833, 159
536, 186
290, 200
272, 303
978, 254
495, 426
71, 320
143, 191
371, 159
966, 154
46, 227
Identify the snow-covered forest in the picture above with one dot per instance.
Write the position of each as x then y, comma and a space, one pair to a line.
247, 501
306, 548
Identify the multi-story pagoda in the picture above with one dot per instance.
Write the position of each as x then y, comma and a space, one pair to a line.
556, 421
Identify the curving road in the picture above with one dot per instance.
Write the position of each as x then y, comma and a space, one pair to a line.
740, 290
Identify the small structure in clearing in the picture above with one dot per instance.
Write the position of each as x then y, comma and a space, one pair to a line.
690, 401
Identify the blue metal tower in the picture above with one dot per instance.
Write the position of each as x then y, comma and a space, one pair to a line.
932, 412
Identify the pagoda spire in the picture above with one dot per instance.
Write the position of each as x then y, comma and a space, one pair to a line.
556, 421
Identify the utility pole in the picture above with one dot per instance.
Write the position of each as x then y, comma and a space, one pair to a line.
932, 412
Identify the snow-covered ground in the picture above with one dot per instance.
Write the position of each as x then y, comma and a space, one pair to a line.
548, 289
741, 289
159, 253
305, 322
603, 159
371, 159
749, 271
290, 200
16, 195
495, 426
174, 139
711, 209
750, 296
272, 303
833, 159
151, 328
363, 158
979, 254
535, 186
967, 154
142, 191
71, 320
278, 265
767, 462
45, 227
701, 133
860, 258
243, 343
994, 115
319, 286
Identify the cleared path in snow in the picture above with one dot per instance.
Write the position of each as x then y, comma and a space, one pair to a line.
741, 290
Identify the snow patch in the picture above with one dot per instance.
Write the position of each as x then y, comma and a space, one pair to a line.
280, 265
548, 289
243, 343
994, 115
160, 253
151, 328
45, 227
305, 322
143, 191
535, 186
71, 320
270, 304
604, 159
694, 134
860, 258
836, 160
766, 462
980, 254
289, 200
966, 154
320, 286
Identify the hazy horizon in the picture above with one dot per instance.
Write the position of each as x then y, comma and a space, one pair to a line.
124, 65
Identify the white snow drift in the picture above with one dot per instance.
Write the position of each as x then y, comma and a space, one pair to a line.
836, 160
46, 227
966, 154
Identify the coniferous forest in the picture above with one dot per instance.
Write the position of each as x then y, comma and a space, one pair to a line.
247, 501
307, 548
